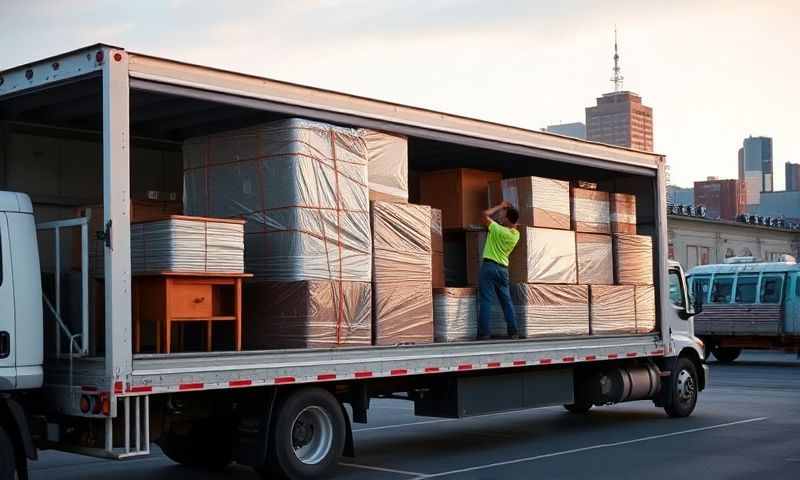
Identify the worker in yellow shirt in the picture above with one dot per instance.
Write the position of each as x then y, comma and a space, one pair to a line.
493, 279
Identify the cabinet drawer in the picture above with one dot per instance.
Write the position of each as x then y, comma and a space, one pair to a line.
187, 300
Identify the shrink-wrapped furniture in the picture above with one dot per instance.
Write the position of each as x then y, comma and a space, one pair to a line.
303, 188
387, 165
541, 202
461, 194
633, 259
645, 308
623, 213
437, 249
590, 211
307, 314
595, 259
455, 314
544, 255
613, 309
546, 310
401, 273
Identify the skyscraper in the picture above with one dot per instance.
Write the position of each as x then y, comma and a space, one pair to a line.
792, 177
620, 118
755, 169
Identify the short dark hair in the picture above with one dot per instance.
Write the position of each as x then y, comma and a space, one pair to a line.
512, 214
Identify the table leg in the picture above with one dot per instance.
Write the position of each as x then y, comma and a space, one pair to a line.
238, 313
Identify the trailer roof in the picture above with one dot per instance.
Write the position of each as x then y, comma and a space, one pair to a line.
151, 73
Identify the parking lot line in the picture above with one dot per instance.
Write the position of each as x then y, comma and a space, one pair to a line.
381, 469
592, 447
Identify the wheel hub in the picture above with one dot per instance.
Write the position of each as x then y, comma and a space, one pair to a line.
312, 435
686, 387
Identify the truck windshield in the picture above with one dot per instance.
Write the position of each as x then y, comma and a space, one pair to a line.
721, 289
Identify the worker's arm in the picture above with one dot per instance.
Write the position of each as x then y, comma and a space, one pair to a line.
487, 214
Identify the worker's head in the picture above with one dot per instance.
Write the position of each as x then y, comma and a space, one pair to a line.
511, 217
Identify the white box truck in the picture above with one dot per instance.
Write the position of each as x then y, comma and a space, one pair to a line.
86, 126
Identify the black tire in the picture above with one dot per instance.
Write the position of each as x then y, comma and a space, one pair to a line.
207, 445
727, 355
580, 408
300, 423
8, 461
682, 389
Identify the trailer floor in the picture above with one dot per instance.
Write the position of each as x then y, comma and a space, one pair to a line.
745, 426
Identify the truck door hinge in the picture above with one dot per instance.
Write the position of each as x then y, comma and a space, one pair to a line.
105, 235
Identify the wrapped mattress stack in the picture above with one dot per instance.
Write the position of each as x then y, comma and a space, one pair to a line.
546, 310
590, 211
455, 314
544, 255
613, 309
303, 189
595, 259
401, 274
188, 244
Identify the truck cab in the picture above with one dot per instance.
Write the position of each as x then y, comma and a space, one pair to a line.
21, 326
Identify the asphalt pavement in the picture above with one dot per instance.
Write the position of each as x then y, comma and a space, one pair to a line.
746, 425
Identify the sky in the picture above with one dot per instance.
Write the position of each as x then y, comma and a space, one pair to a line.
714, 72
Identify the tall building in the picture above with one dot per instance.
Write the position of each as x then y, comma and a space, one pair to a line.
792, 177
575, 129
755, 169
620, 118
723, 199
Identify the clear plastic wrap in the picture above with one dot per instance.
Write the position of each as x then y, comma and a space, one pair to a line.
187, 244
302, 187
546, 310
542, 202
437, 249
623, 213
613, 309
455, 314
544, 255
633, 259
387, 157
307, 314
590, 211
645, 308
595, 259
402, 276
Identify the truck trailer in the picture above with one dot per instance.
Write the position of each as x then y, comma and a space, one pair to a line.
87, 126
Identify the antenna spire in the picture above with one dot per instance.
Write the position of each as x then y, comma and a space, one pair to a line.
617, 78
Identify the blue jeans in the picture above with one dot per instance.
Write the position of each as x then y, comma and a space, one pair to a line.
493, 280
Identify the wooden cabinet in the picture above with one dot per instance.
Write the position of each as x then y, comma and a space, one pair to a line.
161, 300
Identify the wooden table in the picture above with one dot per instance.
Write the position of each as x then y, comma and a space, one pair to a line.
166, 298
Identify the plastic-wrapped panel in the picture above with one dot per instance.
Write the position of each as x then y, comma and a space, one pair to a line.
387, 168
542, 202
595, 260
590, 211
302, 187
623, 213
613, 309
544, 255
455, 314
546, 310
402, 274
633, 259
645, 308
307, 314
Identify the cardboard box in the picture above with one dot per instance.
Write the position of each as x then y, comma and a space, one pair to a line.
633, 259
590, 211
387, 166
623, 213
613, 309
546, 310
437, 249
542, 202
544, 255
455, 314
645, 308
595, 259
461, 194
306, 314
402, 274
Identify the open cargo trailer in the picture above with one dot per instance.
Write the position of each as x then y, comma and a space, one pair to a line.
94, 125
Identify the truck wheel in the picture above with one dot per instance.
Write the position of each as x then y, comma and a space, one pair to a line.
308, 436
205, 446
579, 407
682, 389
8, 461
727, 355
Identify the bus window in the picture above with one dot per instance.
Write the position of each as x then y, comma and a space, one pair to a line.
721, 289
797, 286
746, 289
771, 287
699, 287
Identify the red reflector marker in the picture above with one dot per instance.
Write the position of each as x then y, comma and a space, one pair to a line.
465, 366
631, 354
591, 357
326, 376
399, 371
431, 369
279, 380
240, 383
613, 355
140, 389
568, 359
545, 361
493, 364
364, 374
519, 363
190, 386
